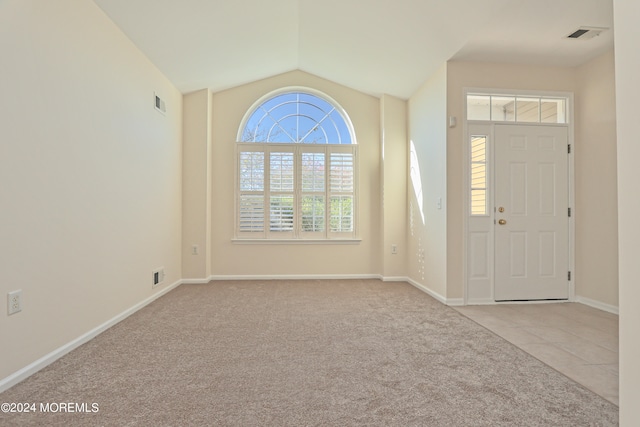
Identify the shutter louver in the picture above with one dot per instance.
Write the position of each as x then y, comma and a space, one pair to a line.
251, 213
341, 190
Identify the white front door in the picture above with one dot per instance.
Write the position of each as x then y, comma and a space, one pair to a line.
531, 246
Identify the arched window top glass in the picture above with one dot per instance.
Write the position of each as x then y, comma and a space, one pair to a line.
297, 116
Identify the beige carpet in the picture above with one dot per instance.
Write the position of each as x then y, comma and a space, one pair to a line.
304, 353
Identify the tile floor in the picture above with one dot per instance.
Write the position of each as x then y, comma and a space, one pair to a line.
577, 340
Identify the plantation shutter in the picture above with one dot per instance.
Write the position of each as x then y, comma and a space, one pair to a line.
313, 198
341, 192
281, 192
290, 191
251, 167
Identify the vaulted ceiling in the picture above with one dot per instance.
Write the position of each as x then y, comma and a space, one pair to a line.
375, 46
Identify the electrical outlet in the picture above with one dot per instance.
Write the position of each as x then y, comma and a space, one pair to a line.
394, 249
14, 302
194, 250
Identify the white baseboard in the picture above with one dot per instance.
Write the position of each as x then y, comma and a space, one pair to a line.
597, 304
294, 277
481, 301
445, 301
195, 281
428, 291
394, 279
46, 360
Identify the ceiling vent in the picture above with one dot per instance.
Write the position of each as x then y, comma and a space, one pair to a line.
586, 33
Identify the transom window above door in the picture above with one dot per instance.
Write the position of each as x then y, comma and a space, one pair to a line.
516, 108
296, 170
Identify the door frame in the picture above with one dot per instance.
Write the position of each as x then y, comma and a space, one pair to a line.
485, 294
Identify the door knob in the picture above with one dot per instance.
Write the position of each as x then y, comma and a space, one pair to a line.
502, 221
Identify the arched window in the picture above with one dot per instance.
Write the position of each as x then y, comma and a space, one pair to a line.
297, 117
296, 169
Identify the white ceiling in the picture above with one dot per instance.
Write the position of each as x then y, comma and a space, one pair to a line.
375, 46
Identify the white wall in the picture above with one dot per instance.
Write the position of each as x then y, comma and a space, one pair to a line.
393, 118
90, 173
196, 185
427, 237
596, 204
627, 60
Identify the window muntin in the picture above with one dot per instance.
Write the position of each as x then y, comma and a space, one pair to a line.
297, 170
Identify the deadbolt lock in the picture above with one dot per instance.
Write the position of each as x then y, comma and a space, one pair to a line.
500, 209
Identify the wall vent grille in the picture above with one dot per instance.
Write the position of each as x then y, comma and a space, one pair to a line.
586, 33
160, 105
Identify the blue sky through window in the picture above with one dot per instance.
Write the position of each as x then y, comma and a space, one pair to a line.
297, 117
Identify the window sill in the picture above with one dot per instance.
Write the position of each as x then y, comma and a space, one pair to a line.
296, 241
